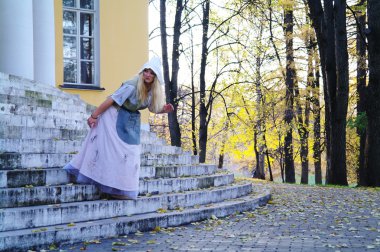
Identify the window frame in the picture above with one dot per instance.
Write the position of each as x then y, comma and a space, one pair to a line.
95, 47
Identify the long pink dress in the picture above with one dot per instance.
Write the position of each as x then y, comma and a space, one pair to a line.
105, 159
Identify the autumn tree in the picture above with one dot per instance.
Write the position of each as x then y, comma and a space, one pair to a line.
314, 74
329, 22
212, 42
372, 155
289, 80
171, 83
361, 82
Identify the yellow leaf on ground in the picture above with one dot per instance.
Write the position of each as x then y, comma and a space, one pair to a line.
119, 244
133, 241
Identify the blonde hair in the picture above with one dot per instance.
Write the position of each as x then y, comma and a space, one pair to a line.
158, 98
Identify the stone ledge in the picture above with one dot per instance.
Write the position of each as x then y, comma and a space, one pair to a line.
22, 197
58, 176
14, 160
44, 133
47, 215
20, 240
70, 146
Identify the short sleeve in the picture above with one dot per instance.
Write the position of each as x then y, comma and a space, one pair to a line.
123, 93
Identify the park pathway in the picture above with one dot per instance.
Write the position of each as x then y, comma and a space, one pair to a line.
298, 218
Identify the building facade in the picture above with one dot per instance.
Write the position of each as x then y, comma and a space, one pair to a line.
84, 47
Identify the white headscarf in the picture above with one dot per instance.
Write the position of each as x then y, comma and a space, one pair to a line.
155, 64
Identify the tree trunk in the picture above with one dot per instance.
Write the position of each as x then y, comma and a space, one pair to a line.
340, 104
290, 77
330, 28
317, 117
303, 121
221, 158
269, 166
171, 86
260, 123
193, 104
323, 26
304, 135
223, 145
256, 153
372, 161
282, 165
361, 79
303, 128
259, 170
202, 84
268, 161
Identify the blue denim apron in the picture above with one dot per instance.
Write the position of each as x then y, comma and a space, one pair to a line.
128, 126
128, 119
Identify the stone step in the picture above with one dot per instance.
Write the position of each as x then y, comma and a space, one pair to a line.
166, 185
45, 133
21, 240
11, 161
33, 177
27, 196
151, 138
177, 171
34, 103
69, 146
35, 91
15, 85
39, 146
46, 113
58, 176
31, 196
65, 213
42, 133
45, 121
168, 159
159, 149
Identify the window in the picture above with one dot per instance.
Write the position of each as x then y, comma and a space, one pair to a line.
79, 42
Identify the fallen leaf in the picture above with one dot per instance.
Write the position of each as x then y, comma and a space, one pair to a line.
162, 210
119, 244
133, 241
94, 242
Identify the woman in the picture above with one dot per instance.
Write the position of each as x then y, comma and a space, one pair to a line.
110, 154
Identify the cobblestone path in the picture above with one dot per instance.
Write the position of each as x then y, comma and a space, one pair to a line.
298, 218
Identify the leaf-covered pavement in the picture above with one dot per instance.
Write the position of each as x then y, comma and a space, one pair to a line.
298, 218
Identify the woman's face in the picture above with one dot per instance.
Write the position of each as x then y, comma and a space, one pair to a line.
148, 76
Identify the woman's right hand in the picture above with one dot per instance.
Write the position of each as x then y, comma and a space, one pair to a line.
92, 122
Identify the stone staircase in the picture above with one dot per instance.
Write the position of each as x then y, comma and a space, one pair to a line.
41, 128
